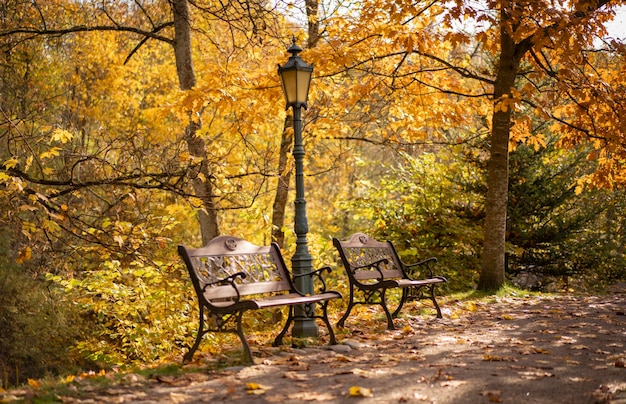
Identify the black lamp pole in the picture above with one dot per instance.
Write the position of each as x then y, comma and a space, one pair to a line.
295, 77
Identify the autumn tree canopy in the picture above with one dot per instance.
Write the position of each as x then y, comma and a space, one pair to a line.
506, 61
128, 127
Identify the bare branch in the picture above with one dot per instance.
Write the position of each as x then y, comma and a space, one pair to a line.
83, 28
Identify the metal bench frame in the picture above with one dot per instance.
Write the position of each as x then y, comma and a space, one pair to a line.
374, 267
231, 276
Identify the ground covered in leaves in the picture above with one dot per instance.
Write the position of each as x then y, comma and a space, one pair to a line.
539, 349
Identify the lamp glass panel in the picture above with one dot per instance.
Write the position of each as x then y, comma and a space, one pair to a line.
289, 78
304, 79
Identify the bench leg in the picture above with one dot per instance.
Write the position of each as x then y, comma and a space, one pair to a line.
189, 355
402, 300
432, 297
279, 338
331, 333
333, 340
242, 337
351, 304
383, 302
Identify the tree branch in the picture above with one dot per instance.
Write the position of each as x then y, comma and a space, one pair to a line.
83, 28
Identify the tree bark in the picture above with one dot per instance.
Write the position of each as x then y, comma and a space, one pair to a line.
312, 7
203, 188
282, 190
494, 242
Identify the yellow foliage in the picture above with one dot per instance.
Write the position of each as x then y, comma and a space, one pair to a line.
24, 255
51, 226
11, 163
504, 104
36, 384
62, 135
53, 152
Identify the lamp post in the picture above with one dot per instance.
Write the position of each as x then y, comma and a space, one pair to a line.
295, 76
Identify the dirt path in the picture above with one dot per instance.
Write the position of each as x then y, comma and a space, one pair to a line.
540, 350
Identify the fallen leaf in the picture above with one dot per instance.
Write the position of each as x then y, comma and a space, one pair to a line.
388, 358
493, 395
580, 379
360, 372
358, 391
453, 383
180, 397
322, 374
535, 374
599, 351
299, 366
495, 358
295, 376
311, 396
257, 389
34, 383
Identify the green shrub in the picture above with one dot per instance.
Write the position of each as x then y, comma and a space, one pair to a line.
422, 207
37, 333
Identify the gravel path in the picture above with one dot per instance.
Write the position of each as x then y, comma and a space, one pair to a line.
565, 349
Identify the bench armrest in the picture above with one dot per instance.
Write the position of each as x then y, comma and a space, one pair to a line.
374, 265
318, 273
230, 280
425, 263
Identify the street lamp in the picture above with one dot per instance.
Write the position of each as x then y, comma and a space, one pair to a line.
295, 77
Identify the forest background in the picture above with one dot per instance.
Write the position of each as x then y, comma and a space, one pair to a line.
489, 134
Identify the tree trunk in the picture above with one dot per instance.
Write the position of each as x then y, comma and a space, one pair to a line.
313, 20
511, 53
203, 188
282, 190
492, 271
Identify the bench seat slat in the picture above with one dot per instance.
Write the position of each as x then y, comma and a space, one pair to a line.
294, 299
290, 299
406, 283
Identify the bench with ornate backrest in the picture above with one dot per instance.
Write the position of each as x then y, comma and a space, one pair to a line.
374, 267
231, 276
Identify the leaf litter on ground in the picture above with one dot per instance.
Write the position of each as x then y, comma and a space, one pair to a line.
495, 350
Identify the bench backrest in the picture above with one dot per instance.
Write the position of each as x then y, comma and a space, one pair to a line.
361, 250
225, 256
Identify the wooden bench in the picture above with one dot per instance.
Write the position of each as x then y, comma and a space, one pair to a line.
374, 267
231, 276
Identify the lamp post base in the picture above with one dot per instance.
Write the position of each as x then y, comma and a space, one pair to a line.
304, 327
